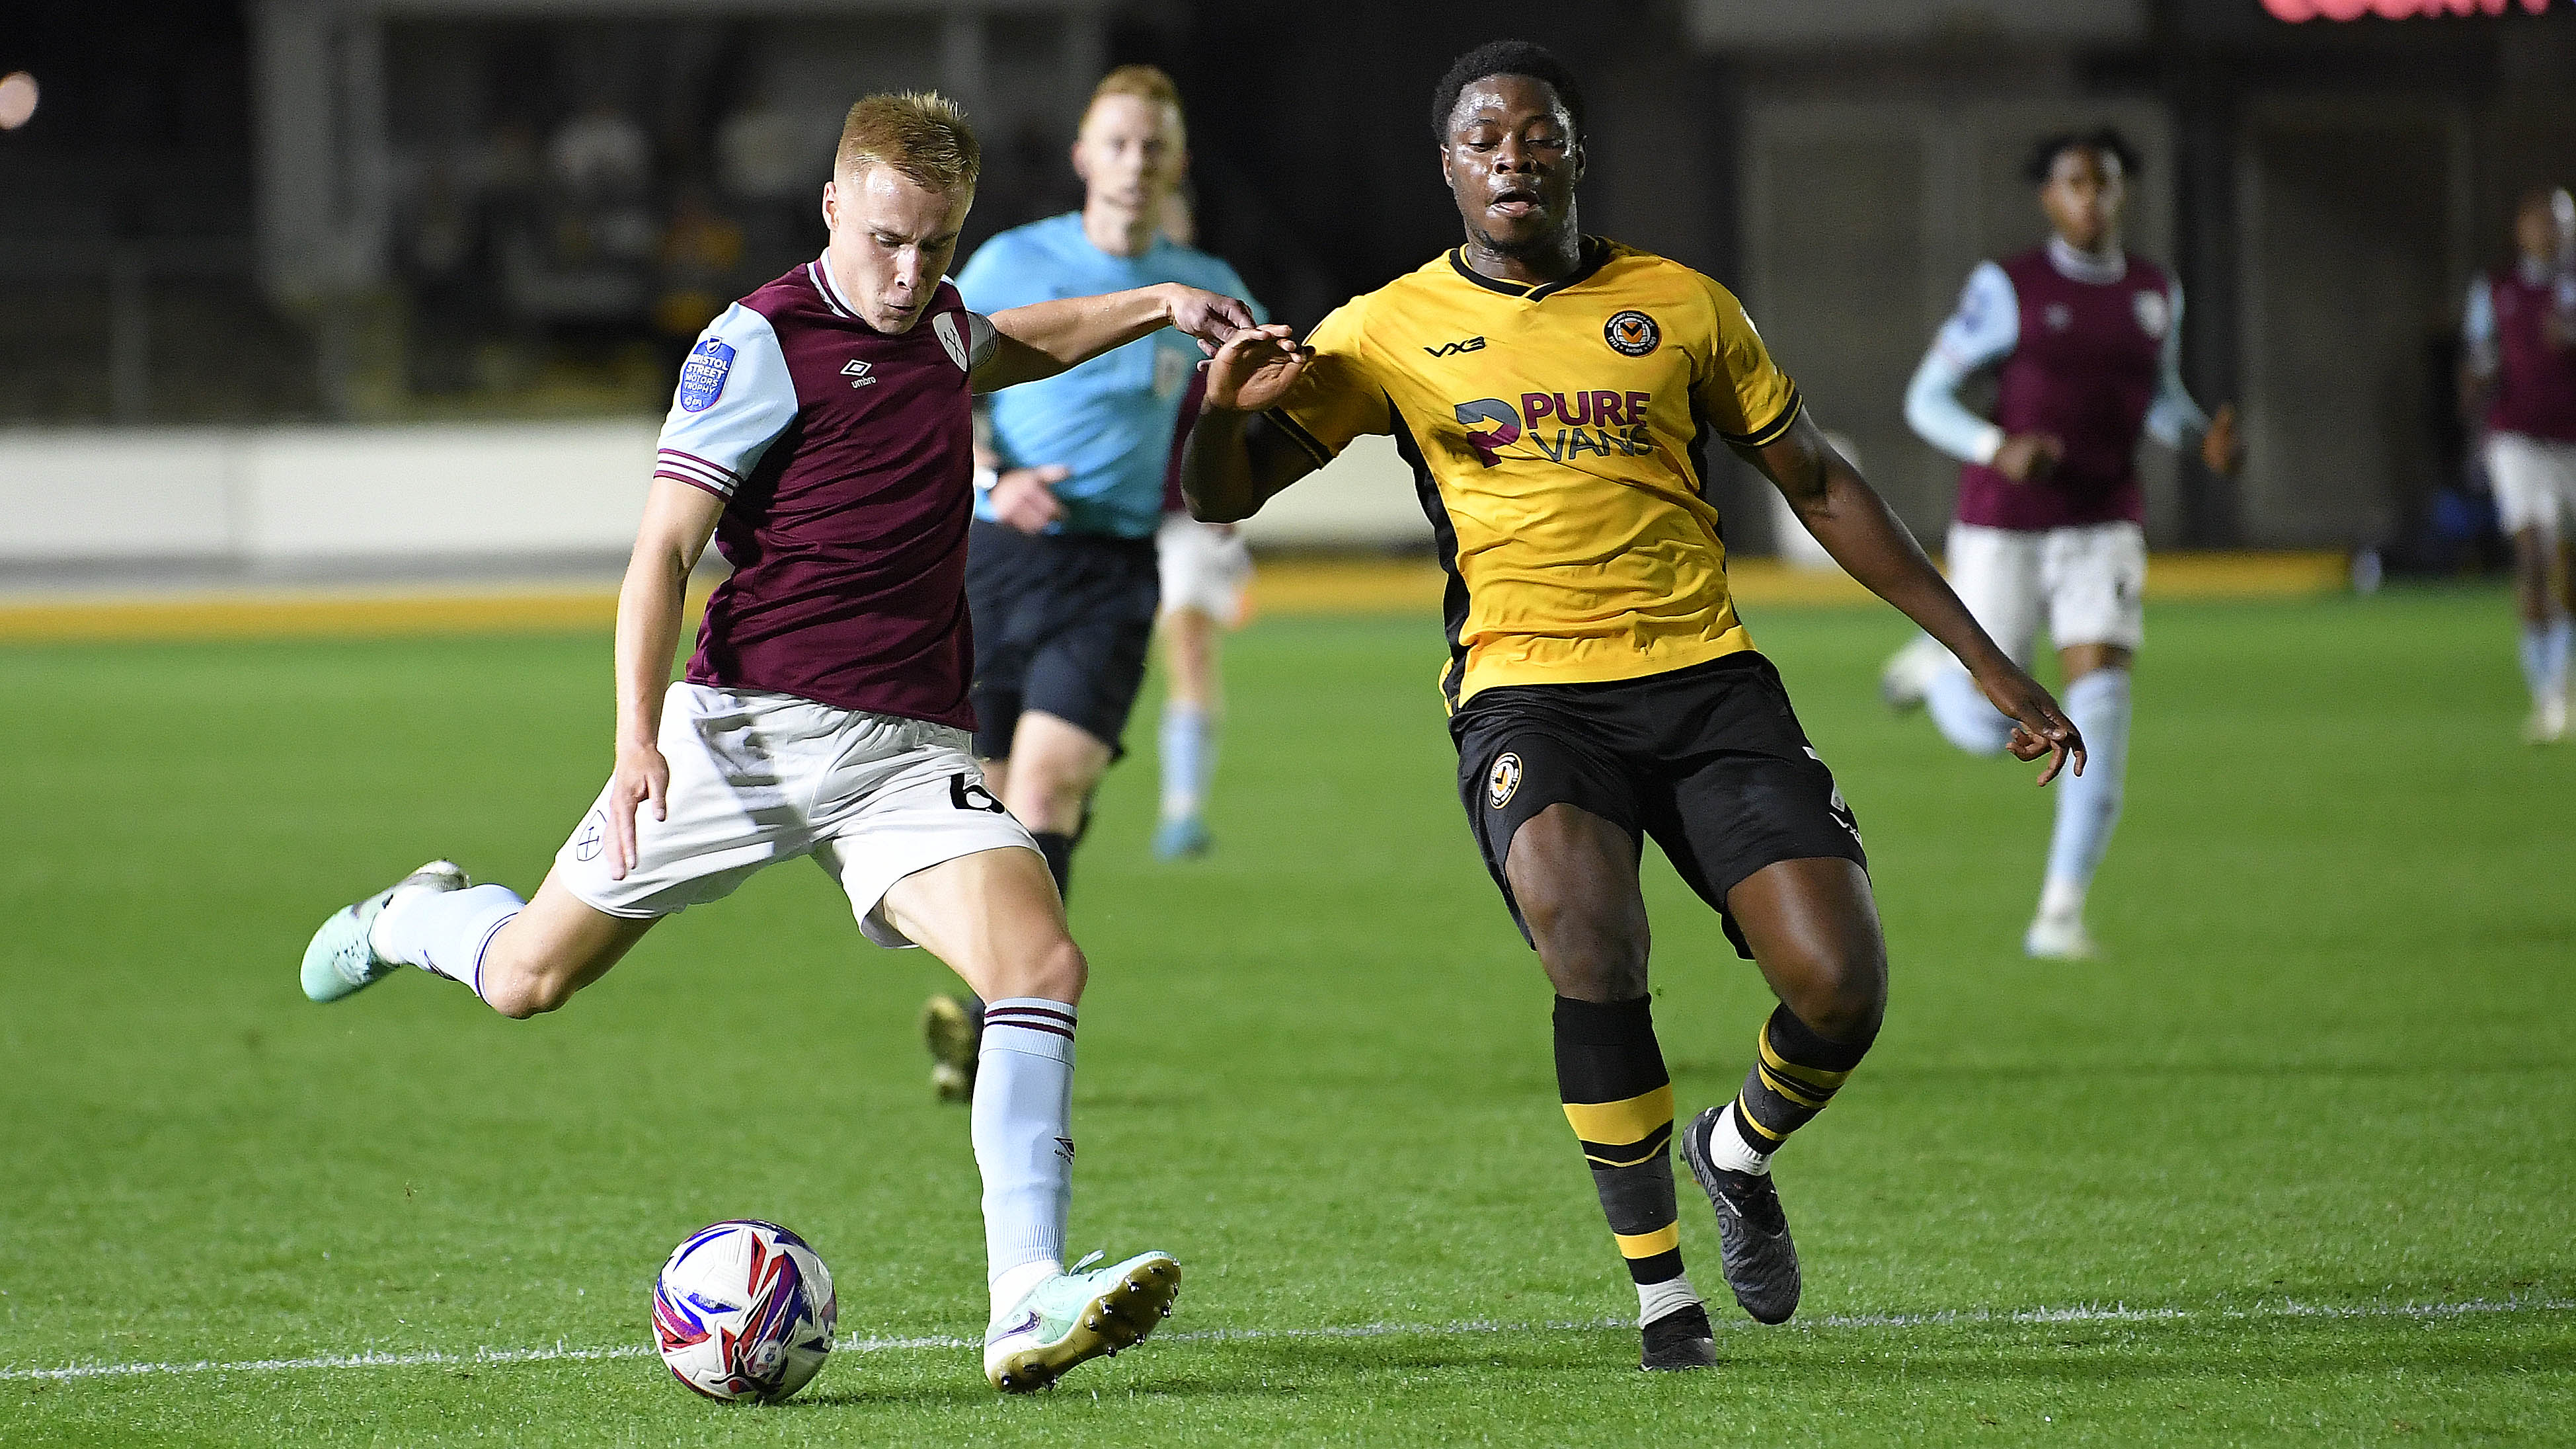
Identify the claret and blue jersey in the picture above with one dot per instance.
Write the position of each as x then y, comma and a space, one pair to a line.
845, 459
1111, 420
2087, 350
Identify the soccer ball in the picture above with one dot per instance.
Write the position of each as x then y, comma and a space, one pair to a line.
744, 1310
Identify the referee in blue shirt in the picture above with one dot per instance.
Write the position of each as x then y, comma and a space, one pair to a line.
1060, 568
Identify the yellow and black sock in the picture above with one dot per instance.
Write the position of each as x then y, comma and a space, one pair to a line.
1795, 1074
1610, 1073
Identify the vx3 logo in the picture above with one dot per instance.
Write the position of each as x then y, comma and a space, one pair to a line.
1452, 349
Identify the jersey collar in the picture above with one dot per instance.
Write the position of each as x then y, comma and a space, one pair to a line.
2101, 268
819, 272
1596, 252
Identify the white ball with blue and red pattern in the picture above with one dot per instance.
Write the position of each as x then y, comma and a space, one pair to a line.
744, 1311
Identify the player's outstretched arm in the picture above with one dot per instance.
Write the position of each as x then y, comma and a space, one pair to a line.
1045, 338
678, 521
1235, 460
1853, 523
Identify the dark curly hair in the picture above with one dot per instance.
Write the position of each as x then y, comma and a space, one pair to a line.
2105, 139
1504, 57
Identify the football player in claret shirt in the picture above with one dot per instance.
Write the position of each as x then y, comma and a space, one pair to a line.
2086, 340
2521, 365
822, 436
1556, 395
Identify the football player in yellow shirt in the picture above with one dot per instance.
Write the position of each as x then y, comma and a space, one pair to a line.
1555, 394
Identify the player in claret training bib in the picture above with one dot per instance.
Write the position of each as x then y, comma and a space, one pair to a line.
2087, 344
2521, 364
1556, 394
821, 435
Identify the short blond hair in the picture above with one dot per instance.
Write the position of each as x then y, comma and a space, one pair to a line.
921, 134
1145, 82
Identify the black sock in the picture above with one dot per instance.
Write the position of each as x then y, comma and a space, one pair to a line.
1057, 847
1610, 1075
1795, 1074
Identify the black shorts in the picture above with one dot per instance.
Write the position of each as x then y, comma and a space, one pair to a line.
1062, 622
1709, 761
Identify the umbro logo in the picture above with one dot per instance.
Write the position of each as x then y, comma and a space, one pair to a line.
857, 373
1452, 349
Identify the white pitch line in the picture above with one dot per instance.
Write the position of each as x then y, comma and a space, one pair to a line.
1941, 1318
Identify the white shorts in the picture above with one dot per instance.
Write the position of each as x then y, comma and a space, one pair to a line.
2534, 481
2089, 582
758, 778
1204, 566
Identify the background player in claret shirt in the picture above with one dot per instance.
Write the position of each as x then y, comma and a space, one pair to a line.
2088, 340
1603, 690
2521, 364
822, 436
1062, 563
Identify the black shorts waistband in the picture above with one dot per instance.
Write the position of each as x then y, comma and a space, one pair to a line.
1095, 545
1592, 691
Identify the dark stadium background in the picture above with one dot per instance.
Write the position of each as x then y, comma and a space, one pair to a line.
288, 212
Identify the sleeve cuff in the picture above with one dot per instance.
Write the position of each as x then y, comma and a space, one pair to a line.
1771, 432
1989, 443
1298, 434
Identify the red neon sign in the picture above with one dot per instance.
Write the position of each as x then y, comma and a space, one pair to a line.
2298, 10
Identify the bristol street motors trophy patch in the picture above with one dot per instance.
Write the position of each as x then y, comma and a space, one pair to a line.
702, 377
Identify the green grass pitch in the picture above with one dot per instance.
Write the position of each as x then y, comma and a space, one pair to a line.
2293, 1164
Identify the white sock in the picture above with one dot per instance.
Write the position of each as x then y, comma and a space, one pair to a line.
2088, 805
444, 931
2061, 897
2544, 661
1728, 1150
1659, 1300
1965, 719
1189, 759
1023, 1131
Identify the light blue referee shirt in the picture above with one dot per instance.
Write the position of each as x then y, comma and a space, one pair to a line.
1110, 420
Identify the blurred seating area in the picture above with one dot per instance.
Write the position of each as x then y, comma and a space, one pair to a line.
393, 212
529, 216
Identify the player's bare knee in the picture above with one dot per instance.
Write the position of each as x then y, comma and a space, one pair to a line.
1841, 995
520, 995
1057, 972
1586, 957
520, 986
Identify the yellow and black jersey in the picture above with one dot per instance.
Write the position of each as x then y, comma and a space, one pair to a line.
1558, 437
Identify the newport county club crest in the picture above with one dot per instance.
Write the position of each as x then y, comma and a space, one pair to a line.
702, 377
2155, 314
1504, 781
1632, 334
945, 325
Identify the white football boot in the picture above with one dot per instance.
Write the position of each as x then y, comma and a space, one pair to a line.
341, 959
2548, 722
1074, 1317
2058, 936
